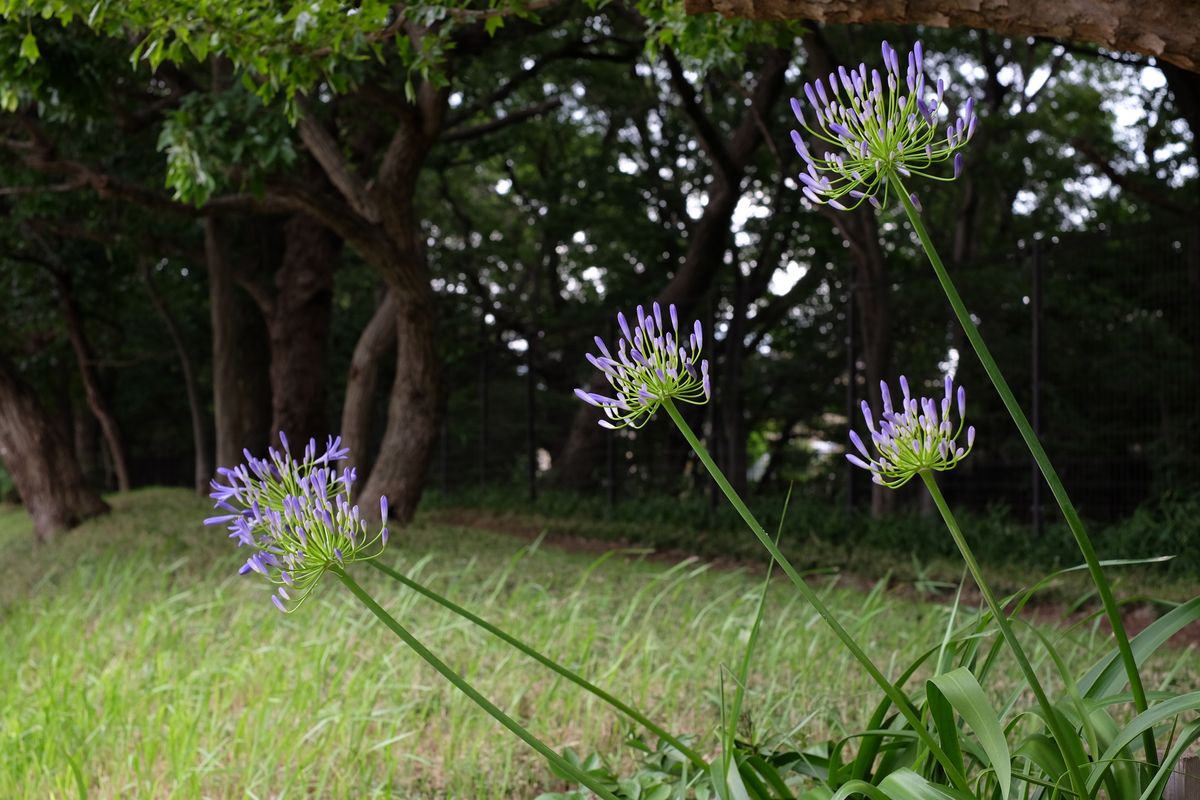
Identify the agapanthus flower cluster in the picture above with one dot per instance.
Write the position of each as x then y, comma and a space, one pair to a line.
916, 437
884, 128
297, 517
652, 364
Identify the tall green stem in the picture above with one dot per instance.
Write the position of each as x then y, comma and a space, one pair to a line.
624, 708
1111, 610
894, 694
1014, 644
461, 684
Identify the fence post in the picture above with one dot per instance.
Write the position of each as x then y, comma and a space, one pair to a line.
483, 396
531, 389
1035, 302
851, 380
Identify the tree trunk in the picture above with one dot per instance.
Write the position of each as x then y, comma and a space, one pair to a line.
414, 409
96, 399
203, 468
241, 404
733, 407
1166, 29
357, 410
298, 319
707, 243
39, 459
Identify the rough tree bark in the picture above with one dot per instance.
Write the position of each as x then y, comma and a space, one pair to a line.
39, 459
203, 466
378, 219
241, 392
377, 338
298, 311
707, 239
1166, 29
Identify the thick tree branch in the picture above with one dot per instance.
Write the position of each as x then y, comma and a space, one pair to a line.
1166, 29
341, 174
484, 128
710, 137
1132, 185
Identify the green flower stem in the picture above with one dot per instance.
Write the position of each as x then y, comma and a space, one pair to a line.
1014, 644
894, 694
1111, 609
461, 684
625, 709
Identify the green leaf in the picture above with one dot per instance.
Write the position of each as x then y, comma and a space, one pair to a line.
29, 49
1108, 674
962, 690
1142, 722
903, 784
493, 24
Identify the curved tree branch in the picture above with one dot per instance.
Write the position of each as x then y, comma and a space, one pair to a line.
1166, 29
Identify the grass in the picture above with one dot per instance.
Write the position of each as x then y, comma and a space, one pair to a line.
136, 663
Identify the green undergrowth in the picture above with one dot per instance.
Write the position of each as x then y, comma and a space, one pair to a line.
910, 548
136, 663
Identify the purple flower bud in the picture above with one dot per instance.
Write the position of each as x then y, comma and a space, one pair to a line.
866, 411
916, 202
958, 164
283, 440
278, 603
383, 508
798, 110
925, 112
856, 461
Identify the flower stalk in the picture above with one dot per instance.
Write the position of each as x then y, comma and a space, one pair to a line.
466, 688
891, 690
1053, 719
1084, 542
550, 664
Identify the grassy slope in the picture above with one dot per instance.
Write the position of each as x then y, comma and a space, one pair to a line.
137, 663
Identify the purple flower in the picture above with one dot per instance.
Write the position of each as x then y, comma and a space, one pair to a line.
653, 364
883, 130
916, 436
296, 516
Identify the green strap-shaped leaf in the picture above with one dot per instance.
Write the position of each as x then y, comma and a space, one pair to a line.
1108, 674
903, 784
960, 688
1142, 722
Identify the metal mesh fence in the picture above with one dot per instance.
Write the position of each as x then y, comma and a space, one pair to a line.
1098, 333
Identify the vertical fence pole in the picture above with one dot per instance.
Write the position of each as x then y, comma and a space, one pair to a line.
442, 447
1035, 302
851, 380
711, 408
610, 445
483, 396
531, 391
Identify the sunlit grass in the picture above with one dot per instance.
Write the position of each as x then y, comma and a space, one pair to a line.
136, 663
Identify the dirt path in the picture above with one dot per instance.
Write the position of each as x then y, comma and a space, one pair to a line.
1137, 616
